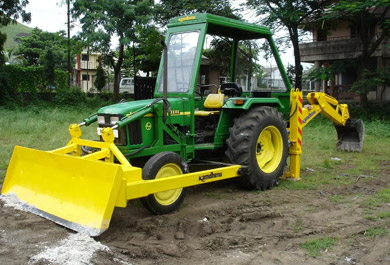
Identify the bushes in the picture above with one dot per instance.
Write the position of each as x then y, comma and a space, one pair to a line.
16, 79
72, 96
32, 78
21, 86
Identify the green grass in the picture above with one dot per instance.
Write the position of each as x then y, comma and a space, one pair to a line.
376, 231
43, 128
298, 227
384, 215
213, 195
12, 31
319, 146
336, 198
315, 246
371, 218
376, 201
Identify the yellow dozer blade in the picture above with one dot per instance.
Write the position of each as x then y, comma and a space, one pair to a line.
69, 190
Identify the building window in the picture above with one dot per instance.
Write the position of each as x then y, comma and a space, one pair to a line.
322, 35
85, 57
85, 77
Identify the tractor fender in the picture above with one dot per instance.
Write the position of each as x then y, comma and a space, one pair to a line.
249, 103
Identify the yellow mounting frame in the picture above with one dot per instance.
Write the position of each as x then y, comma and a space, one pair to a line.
133, 186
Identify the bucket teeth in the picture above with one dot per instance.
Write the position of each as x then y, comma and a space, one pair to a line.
351, 136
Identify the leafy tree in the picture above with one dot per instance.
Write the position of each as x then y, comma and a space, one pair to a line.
100, 80
10, 57
10, 10
49, 68
247, 55
34, 48
371, 80
103, 19
219, 48
149, 49
145, 54
168, 9
367, 16
291, 15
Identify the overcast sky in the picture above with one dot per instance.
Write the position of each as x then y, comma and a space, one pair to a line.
50, 15
47, 15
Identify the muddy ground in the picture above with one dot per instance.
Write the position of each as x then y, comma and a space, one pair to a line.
220, 224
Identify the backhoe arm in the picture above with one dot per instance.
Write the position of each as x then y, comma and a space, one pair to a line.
350, 132
327, 106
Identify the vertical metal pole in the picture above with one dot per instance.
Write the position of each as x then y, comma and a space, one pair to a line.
233, 61
165, 79
69, 66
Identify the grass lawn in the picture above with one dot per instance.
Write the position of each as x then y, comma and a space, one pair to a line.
42, 128
322, 164
46, 128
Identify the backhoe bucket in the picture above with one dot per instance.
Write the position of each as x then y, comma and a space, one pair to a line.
351, 136
74, 192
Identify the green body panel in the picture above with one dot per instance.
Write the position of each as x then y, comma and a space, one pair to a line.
179, 132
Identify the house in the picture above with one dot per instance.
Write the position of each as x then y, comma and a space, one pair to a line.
85, 70
343, 44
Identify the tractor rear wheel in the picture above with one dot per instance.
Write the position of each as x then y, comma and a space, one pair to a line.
258, 140
161, 165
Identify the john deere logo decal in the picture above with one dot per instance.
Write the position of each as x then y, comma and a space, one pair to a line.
148, 126
186, 18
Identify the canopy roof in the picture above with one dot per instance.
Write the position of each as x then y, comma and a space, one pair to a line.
222, 26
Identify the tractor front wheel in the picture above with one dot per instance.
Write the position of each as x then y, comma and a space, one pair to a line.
165, 164
258, 141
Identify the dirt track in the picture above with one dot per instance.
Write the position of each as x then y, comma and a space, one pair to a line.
220, 224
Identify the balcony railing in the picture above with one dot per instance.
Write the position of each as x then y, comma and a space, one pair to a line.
337, 48
330, 50
87, 65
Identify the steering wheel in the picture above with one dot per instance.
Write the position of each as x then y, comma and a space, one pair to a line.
231, 89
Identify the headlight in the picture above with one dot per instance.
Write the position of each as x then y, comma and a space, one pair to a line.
101, 120
114, 120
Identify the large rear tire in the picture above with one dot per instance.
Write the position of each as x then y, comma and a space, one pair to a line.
258, 140
161, 165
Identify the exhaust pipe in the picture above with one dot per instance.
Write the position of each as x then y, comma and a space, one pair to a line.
165, 79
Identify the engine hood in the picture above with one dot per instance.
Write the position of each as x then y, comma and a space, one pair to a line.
132, 106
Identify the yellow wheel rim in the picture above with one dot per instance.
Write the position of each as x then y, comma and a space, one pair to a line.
269, 149
170, 196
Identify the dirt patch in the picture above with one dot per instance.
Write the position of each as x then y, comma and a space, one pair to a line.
232, 227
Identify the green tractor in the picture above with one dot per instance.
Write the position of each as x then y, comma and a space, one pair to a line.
149, 149
247, 126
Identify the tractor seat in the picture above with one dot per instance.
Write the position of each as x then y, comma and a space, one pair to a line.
213, 101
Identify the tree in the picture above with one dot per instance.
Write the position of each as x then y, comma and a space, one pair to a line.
371, 80
149, 49
49, 68
291, 15
10, 10
145, 54
10, 57
100, 80
34, 48
103, 19
371, 19
168, 9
